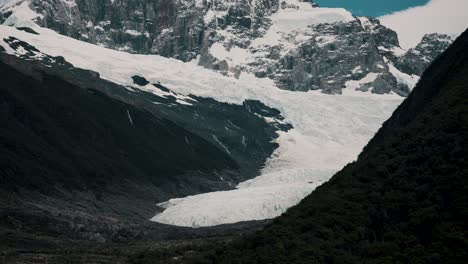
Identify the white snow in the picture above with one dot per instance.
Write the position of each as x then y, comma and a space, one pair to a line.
440, 16
133, 32
232, 206
235, 56
329, 130
366, 24
264, 197
357, 69
22, 15
209, 16
298, 16
355, 84
288, 177
410, 80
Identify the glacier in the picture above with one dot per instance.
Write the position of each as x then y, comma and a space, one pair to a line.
261, 198
329, 130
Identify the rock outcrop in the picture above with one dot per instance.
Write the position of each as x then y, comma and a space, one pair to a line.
417, 59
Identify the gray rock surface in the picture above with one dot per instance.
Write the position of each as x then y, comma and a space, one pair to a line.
417, 59
178, 29
328, 65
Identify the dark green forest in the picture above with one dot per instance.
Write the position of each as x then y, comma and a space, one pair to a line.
403, 201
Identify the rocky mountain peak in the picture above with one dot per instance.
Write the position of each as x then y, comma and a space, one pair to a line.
417, 59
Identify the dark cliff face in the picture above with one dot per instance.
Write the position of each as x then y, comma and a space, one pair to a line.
403, 201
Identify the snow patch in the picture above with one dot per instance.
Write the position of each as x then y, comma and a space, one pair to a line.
22, 15
235, 56
133, 32
299, 16
355, 84
403, 78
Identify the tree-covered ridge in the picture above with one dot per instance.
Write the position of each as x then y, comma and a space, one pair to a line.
403, 201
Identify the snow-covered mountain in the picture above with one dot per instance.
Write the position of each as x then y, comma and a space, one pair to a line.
291, 56
295, 43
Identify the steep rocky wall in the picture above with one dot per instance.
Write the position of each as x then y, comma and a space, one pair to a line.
328, 64
417, 59
178, 29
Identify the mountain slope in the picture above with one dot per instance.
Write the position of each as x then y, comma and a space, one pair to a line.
86, 158
77, 149
403, 201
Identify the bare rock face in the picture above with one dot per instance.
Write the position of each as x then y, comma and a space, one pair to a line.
178, 29
319, 56
336, 53
417, 59
169, 28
